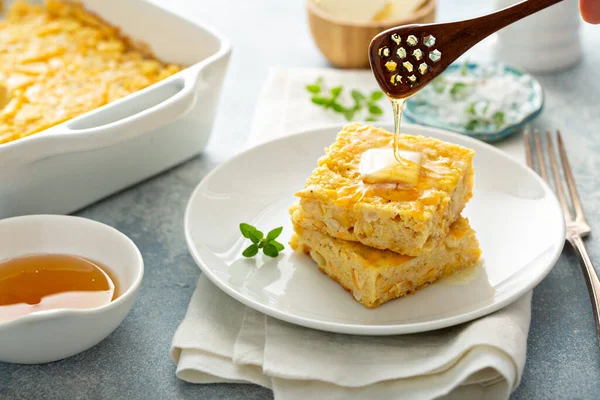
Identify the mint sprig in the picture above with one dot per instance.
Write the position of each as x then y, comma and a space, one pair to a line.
479, 119
268, 244
330, 100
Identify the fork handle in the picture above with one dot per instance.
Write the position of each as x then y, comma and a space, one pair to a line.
591, 278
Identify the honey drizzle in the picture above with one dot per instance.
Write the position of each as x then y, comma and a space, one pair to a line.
397, 106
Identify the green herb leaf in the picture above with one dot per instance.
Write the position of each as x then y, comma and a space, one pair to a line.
358, 97
255, 236
498, 118
464, 69
472, 125
374, 109
458, 90
321, 101
485, 109
376, 95
439, 85
277, 245
337, 107
270, 246
246, 229
270, 250
470, 109
274, 233
370, 118
361, 101
251, 251
314, 88
335, 92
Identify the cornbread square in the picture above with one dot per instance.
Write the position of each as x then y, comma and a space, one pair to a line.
375, 276
335, 200
58, 61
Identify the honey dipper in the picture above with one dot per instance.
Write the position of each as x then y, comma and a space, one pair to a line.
406, 58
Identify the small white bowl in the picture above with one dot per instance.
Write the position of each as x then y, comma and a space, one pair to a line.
52, 335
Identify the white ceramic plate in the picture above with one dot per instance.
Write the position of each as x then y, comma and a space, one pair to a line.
517, 218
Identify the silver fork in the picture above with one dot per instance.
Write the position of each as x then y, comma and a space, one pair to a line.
577, 228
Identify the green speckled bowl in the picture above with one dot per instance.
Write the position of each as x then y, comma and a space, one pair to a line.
535, 98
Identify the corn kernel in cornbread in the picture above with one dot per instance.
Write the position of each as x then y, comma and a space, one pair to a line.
375, 276
336, 201
58, 61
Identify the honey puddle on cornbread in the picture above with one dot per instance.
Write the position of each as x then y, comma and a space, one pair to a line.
43, 282
391, 165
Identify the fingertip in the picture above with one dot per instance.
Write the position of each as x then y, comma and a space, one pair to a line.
590, 11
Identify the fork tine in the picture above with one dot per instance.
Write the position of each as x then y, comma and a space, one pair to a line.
570, 179
540, 155
528, 153
560, 190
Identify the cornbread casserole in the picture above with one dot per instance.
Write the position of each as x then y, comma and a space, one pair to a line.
57, 62
335, 200
376, 276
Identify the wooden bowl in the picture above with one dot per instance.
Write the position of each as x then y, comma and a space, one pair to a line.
345, 43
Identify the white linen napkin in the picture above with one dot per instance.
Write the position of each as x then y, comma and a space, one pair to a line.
221, 340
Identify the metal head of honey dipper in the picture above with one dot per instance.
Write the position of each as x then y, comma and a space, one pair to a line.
404, 59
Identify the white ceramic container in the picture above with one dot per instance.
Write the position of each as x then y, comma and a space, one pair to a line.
83, 160
547, 41
52, 335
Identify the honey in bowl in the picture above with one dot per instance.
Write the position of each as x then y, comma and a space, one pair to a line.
41, 282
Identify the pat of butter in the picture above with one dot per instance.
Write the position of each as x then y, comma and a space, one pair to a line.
380, 166
352, 10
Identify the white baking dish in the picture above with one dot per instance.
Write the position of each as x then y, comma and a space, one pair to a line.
78, 162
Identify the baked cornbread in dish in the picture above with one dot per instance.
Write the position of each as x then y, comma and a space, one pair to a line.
375, 276
58, 61
336, 201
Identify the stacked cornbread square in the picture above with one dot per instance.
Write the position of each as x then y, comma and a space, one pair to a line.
381, 241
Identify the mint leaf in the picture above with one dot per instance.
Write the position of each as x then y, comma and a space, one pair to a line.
485, 109
314, 88
246, 229
274, 234
255, 236
270, 250
374, 109
270, 246
464, 69
459, 90
319, 100
472, 125
251, 251
439, 85
498, 118
337, 107
376, 95
335, 92
330, 101
470, 109
277, 245
358, 96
